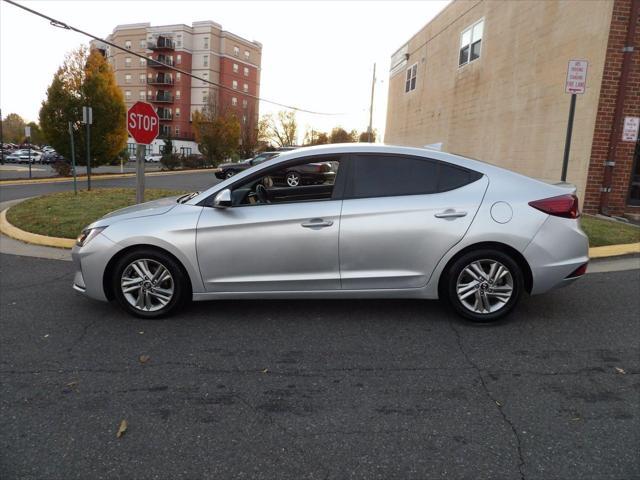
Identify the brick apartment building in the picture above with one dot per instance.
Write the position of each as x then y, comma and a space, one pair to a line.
203, 49
487, 79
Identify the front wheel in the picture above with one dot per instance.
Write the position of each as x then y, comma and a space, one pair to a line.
149, 284
484, 285
293, 179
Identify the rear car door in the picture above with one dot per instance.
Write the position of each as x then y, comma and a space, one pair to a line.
400, 215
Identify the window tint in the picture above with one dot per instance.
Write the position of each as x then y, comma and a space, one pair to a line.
381, 176
393, 175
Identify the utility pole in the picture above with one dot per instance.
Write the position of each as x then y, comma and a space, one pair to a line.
27, 134
1, 140
73, 160
373, 87
87, 119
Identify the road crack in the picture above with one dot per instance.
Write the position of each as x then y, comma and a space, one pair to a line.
494, 400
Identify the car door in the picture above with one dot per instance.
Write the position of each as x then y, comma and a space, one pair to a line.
400, 215
290, 244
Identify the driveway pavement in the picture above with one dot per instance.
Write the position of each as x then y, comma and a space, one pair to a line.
317, 389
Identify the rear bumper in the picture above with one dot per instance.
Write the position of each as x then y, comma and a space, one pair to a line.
559, 248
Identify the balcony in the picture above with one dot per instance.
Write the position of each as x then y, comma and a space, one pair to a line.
160, 80
157, 62
164, 114
161, 43
162, 97
165, 131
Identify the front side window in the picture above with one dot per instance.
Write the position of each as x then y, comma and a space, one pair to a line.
410, 83
395, 175
471, 43
309, 180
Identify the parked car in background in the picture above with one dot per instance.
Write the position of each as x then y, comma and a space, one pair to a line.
394, 222
51, 156
154, 157
23, 156
229, 169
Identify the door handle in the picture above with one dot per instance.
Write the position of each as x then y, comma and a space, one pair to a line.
317, 223
450, 213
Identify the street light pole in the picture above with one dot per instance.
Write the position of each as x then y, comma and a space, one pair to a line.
373, 87
87, 118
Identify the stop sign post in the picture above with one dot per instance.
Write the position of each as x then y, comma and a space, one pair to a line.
143, 125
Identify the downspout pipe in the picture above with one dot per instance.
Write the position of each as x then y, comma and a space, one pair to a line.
627, 52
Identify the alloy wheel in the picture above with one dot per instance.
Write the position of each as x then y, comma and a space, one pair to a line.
484, 286
293, 179
147, 285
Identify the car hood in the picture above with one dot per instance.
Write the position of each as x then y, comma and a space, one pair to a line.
155, 207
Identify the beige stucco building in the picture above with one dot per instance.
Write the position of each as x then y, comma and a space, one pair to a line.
487, 79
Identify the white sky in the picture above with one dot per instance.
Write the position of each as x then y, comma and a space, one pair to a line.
316, 55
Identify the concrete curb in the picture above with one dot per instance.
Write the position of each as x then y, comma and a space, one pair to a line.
107, 176
614, 250
33, 238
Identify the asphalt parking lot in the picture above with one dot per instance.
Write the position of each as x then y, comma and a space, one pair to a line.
317, 389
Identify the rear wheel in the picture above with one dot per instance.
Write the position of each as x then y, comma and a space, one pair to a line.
484, 285
229, 174
293, 179
149, 284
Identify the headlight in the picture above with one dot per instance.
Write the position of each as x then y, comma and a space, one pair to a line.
87, 234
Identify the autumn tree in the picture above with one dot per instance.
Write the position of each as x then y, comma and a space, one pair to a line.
85, 78
364, 136
281, 130
217, 132
314, 137
248, 132
13, 128
340, 135
37, 137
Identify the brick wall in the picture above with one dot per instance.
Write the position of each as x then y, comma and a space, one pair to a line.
604, 119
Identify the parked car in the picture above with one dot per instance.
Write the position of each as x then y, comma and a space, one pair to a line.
154, 157
23, 156
394, 222
229, 169
51, 156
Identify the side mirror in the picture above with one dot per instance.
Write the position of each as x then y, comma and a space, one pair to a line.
223, 199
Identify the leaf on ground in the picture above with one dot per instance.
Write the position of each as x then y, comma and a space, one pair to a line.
621, 371
141, 332
72, 384
144, 358
498, 403
266, 370
122, 428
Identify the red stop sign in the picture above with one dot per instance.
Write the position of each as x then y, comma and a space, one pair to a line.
143, 123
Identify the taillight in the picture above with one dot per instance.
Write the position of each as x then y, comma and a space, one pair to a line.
578, 272
561, 206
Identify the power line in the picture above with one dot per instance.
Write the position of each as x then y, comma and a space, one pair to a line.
65, 26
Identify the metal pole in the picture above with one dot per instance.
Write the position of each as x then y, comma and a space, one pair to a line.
567, 142
29, 154
373, 87
73, 160
1, 140
88, 158
140, 150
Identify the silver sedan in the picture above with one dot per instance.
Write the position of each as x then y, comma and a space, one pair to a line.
370, 221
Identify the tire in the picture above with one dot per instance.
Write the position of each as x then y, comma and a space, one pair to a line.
484, 297
293, 179
229, 173
158, 302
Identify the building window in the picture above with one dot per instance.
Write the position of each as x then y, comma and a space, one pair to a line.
178, 59
177, 112
143, 44
142, 95
206, 43
205, 96
142, 78
470, 43
127, 94
234, 101
246, 71
234, 84
127, 44
143, 62
205, 79
177, 94
244, 103
178, 76
179, 40
177, 131
235, 68
149, 94
245, 87
127, 78
246, 54
236, 51
244, 119
205, 61
127, 62
410, 83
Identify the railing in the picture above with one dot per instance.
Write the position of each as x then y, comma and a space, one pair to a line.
160, 80
156, 63
161, 44
162, 97
165, 115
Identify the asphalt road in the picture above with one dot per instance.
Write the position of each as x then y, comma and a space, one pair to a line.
182, 181
317, 389
17, 171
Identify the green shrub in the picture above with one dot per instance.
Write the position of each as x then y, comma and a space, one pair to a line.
62, 168
170, 161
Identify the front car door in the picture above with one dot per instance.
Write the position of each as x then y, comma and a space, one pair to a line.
287, 241
400, 215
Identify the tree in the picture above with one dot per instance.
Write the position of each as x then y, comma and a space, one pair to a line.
364, 136
13, 128
314, 137
37, 137
85, 78
282, 130
340, 135
248, 132
217, 133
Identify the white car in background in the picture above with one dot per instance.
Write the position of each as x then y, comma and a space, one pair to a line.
154, 157
23, 156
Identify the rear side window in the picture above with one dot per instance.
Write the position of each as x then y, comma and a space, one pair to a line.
394, 175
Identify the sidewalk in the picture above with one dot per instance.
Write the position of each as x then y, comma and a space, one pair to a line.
16, 171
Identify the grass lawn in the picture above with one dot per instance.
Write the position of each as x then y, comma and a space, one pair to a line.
606, 232
65, 214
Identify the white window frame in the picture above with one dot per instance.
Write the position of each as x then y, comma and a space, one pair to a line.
235, 68
178, 76
234, 101
205, 61
178, 59
127, 78
142, 78
127, 94
143, 62
205, 43
177, 112
127, 44
245, 104
142, 95
236, 51
178, 95
472, 40
234, 84
127, 62
247, 54
412, 77
245, 87
246, 71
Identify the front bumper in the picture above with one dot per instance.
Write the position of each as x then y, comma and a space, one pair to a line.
558, 249
90, 263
